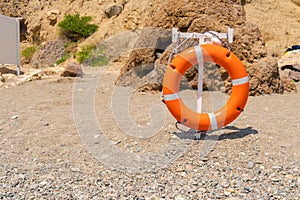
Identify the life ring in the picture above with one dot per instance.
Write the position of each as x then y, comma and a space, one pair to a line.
188, 58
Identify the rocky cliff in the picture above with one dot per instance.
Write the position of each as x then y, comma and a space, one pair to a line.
39, 20
202, 16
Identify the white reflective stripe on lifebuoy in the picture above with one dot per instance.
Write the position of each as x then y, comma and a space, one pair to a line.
213, 121
199, 54
240, 81
170, 97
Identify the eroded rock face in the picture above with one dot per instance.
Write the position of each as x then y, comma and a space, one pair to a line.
201, 16
48, 54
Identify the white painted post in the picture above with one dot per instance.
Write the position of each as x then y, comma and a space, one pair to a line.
200, 85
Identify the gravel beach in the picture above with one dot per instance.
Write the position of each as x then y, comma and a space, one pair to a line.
43, 156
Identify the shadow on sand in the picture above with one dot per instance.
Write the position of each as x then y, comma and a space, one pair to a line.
228, 132
5, 70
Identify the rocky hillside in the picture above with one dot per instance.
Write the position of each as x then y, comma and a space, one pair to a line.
257, 44
40, 17
202, 16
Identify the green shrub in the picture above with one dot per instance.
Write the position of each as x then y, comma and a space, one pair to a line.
63, 59
85, 53
70, 51
28, 52
75, 27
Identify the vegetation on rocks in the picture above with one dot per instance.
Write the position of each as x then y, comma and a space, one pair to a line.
28, 53
75, 27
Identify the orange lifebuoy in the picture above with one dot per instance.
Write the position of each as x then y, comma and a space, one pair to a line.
188, 58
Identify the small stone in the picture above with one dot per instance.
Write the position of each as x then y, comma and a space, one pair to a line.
231, 190
14, 117
180, 169
75, 169
289, 176
179, 198
245, 177
262, 167
275, 180
277, 168
225, 184
204, 159
250, 165
242, 153
33, 187
96, 136
227, 193
43, 183
117, 142
247, 189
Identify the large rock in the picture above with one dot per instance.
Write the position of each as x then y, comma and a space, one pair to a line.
201, 16
140, 70
48, 54
289, 69
113, 10
73, 70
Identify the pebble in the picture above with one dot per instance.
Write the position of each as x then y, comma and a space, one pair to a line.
96, 136
14, 117
250, 165
289, 176
277, 168
75, 169
227, 193
231, 190
75, 174
243, 154
179, 198
275, 179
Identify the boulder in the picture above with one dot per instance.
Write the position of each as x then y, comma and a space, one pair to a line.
52, 16
113, 10
140, 70
48, 54
73, 70
201, 16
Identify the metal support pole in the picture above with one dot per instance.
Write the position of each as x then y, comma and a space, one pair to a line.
18, 46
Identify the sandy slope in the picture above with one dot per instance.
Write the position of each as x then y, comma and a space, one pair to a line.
278, 21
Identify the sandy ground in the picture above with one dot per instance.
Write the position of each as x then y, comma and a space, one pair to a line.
47, 130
